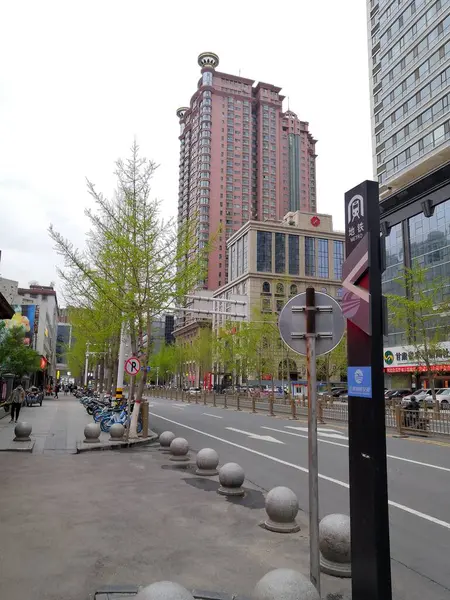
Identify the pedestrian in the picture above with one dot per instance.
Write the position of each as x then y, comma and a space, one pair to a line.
17, 398
56, 391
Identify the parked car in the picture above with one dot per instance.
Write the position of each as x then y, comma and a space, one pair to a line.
397, 394
419, 395
339, 391
443, 397
194, 391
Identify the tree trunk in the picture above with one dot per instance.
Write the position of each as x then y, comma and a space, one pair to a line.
141, 386
101, 381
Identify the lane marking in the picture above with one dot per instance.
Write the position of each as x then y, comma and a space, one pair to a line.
409, 460
215, 416
255, 436
411, 511
179, 407
331, 433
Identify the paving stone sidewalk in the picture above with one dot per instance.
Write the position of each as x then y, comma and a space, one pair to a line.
82, 522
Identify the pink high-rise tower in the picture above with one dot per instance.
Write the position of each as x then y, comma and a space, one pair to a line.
241, 158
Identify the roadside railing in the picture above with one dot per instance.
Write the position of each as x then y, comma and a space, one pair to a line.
425, 422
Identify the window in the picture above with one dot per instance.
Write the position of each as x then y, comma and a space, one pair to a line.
266, 287
293, 290
310, 257
323, 258
280, 253
280, 289
338, 258
294, 259
280, 304
264, 251
266, 305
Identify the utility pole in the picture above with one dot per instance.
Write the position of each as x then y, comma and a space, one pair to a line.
86, 364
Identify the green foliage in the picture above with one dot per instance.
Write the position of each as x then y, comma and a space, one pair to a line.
136, 265
333, 364
15, 356
422, 313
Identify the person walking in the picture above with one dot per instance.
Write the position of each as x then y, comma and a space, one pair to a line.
56, 391
17, 398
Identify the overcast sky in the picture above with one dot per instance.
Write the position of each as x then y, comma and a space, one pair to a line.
78, 80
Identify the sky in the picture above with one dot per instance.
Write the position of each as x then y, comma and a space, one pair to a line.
79, 81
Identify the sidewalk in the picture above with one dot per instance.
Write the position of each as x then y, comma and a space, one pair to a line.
57, 425
80, 522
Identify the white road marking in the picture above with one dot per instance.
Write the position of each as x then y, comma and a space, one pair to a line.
255, 436
179, 407
408, 460
343, 484
331, 433
215, 416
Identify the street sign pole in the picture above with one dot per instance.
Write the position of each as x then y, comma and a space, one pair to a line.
313, 466
320, 334
362, 305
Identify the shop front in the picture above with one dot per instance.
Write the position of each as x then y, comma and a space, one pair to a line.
404, 368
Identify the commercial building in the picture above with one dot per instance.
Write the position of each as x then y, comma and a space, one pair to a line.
241, 158
409, 48
64, 341
269, 262
36, 308
273, 261
409, 44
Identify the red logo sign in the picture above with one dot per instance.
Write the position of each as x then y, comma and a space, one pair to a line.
315, 221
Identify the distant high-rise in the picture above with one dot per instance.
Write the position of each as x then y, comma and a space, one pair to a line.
409, 45
241, 158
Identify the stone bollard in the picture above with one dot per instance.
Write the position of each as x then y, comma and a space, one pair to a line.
281, 509
285, 584
116, 432
22, 431
179, 450
334, 544
207, 461
92, 433
164, 590
231, 477
165, 439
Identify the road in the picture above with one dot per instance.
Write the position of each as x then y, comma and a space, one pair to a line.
274, 451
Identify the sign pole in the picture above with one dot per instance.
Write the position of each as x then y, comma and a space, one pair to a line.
362, 305
313, 466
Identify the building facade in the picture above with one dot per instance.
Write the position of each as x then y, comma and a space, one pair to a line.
409, 64
416, 227
241, 158
273, 261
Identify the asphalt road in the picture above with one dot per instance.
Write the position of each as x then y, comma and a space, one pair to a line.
418, 470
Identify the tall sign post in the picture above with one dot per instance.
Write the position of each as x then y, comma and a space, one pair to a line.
312, 324
362, 305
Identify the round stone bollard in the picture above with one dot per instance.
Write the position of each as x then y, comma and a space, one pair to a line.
116, 432
164, 590
334, 544
285, 584
165, 439
179, 450
231, 477
92, 433
22, 432
207, 461
281, 509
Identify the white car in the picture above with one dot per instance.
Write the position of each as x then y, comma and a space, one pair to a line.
443, 397
194, 391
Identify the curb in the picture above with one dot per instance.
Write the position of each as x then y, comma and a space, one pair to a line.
116, 592
82, 448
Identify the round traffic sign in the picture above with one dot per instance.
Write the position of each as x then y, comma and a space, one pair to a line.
132, 366
330, 323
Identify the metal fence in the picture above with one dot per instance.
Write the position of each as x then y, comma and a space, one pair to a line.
425, 422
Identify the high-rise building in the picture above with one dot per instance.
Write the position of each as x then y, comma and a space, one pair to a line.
409, 55
241, 158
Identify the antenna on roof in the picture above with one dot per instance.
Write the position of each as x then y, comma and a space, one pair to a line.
288, 102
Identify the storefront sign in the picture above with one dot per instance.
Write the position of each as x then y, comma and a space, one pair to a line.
405, 359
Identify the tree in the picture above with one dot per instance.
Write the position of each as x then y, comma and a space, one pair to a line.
333, 364
15, 356
201, 352
134, 260
422, 313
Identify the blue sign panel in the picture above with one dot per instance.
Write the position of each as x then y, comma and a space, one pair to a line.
359, 381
